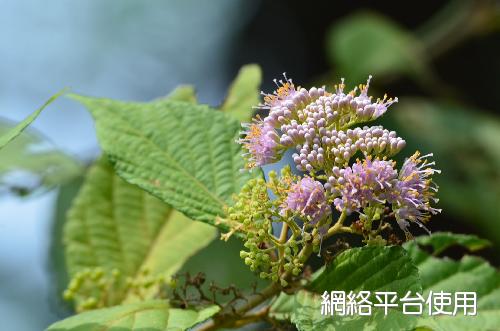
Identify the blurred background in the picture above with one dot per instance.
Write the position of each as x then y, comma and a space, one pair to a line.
441, 59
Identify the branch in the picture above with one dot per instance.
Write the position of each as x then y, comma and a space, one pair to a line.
238, 316
227, 321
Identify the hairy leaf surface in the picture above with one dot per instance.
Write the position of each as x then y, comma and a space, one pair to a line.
115, 225
184, 154
304, 310
358, 269
470, 274
148, 315
369, 268
435, 274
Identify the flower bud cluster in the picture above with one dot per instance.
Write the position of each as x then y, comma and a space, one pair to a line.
323, 128
316, 123
93, 288
332, 147
253, 213
373, 183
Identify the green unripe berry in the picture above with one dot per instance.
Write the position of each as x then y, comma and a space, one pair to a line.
172, 283
248, 261
115, 273
90, 303
98, 273
68, 295
74, 285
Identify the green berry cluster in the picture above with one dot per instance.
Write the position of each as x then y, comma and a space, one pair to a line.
93, 288
253, 214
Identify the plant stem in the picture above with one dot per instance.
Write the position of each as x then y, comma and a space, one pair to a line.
252, 318
237, 317
252, 302
338, 226
284, 232
232, 320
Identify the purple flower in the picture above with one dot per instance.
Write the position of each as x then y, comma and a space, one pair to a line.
286, 100
285, 92
415, 191
337, 147
364, 183
307, 197
261, 141
365, 109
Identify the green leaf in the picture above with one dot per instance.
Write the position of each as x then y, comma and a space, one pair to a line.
185, 93
370, 268
7, 137
485, 320
367, 43
466, 147
359, 269
116, 225
149, 315
58, 273
440, 241
470, 274
184, 154
436, 274
29, 162
306, 315
284, 306
244, 93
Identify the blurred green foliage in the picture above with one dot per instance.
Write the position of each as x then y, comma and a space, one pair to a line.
466, 146
30, 162
370, 44
465, 141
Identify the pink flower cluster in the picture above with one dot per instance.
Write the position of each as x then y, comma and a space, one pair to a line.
307, 198
323, 129
369, 183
